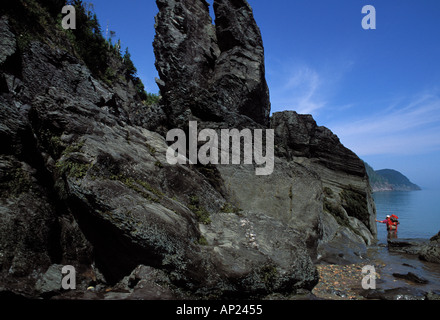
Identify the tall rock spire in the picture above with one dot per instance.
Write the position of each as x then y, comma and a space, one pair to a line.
210, 72
185, 49
239, 77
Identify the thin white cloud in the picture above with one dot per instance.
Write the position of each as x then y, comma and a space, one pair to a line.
304, 88
300, 91
410, 128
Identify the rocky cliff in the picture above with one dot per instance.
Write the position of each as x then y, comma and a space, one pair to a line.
84, 179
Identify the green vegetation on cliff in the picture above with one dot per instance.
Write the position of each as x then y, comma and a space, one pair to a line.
41, 20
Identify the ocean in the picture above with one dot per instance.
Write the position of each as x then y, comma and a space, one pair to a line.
418, 212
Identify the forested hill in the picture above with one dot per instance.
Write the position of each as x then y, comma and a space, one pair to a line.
389, 180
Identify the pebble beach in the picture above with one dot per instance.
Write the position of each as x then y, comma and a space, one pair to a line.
340, 282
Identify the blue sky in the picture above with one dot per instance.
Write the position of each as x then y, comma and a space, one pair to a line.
378, 90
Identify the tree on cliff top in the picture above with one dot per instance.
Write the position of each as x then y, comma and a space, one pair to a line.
41, 20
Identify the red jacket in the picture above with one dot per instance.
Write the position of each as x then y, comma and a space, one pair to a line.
390, 224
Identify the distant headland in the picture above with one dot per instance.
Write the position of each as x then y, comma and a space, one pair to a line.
389, 180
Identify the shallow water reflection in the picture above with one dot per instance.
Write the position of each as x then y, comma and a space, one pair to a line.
390, 262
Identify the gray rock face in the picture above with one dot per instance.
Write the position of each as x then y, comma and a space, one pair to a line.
8, 41
84, 179
106, 201
214, 73
239, 77
310, 159
186, 50
348, 213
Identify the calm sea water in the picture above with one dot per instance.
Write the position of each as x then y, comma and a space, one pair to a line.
418, 212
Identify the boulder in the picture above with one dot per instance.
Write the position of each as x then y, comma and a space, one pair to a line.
431, 252
144, 283
260, 253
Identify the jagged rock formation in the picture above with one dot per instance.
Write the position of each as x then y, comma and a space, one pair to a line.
213, 73
84, 179
230, 62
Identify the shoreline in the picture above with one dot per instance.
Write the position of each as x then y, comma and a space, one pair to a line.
399, 276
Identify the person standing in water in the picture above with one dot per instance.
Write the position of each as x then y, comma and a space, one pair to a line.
392, 223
